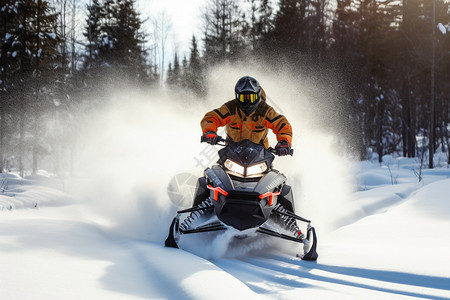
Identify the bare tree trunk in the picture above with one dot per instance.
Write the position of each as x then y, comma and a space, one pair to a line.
411, 114
433, 54
163, 27
37, 87
35, 159
380, 120
224, 29
2, 139
22, 116
22, 109
412, 126
2, 94
73, 39
446, 126
409, 106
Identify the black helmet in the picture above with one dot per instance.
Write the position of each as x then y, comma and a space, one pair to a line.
248, 94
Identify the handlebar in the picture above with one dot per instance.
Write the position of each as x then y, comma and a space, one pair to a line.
273, 151
220, 139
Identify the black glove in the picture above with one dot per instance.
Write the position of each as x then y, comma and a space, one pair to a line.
211, 137
283, 148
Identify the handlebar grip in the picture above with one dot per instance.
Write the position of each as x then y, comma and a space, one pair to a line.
273, 151
203, 139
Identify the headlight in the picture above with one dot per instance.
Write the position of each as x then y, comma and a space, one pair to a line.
257, 169
234, 167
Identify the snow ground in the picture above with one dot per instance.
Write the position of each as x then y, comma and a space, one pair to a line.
381, 233
389, 242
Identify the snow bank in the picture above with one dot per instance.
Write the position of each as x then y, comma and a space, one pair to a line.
31, 192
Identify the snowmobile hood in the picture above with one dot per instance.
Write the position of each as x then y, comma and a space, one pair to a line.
245, 153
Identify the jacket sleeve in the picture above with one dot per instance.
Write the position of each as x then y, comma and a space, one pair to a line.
215, 119
279, 125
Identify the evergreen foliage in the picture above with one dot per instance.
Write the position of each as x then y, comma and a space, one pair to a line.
195, 71
115, 49
380, 53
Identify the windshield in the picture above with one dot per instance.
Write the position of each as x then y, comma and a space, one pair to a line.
245, 153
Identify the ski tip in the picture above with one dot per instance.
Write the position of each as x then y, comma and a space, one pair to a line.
170, 244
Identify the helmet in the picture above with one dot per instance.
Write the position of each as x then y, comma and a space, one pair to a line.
248, 94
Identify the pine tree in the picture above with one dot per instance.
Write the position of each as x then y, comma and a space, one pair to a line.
317, 28
46, 63
289, 32
365, 37
343, 52
222, 34
92, 33
116, 43
263, 26
256, 25
109, 13
195, 71
129, 52
184, 80
174, 73
32, 56
8, 65
94, 63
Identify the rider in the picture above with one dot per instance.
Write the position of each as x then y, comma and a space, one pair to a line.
248, 116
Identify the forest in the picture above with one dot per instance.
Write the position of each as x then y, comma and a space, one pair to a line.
391, 59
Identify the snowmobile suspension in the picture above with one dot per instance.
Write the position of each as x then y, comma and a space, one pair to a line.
195, 213
289, 221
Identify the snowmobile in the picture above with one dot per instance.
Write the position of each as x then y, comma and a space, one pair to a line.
244, 192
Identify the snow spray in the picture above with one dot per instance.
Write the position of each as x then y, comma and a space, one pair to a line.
141, 142
133, 149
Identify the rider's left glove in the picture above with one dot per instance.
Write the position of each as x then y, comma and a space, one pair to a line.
211, 137
283, 148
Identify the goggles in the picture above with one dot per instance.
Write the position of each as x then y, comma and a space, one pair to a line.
247, 98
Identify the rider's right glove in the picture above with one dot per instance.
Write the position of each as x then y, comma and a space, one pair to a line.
211, 137
283, 148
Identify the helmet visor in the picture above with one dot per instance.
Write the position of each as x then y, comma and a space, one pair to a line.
247, 98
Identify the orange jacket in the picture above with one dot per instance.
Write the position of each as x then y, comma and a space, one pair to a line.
253, 127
